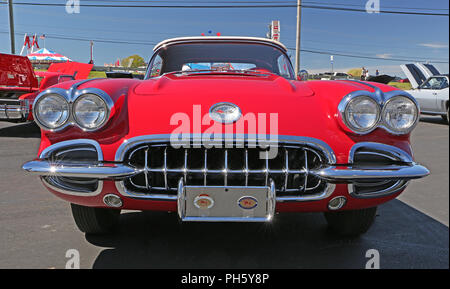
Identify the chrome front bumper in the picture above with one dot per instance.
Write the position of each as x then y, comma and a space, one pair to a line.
14, 110
333, 174
364, 179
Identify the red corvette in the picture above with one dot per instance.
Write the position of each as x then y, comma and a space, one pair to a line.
20, 84
222, 130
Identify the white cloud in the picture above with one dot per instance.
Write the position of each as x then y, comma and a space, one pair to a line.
434, 45
384, 56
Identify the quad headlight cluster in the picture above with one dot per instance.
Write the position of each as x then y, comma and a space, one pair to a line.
55, 110
363, 112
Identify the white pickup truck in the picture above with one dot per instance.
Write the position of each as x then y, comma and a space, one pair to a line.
430, 88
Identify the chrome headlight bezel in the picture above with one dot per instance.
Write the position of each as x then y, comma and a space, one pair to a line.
36, 113
395, 131
343, 112
77, 119
71, 96
382, 99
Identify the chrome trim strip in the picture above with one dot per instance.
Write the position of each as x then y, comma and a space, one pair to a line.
153, 197
69, 143
210, 140
397, 186
79, 170
221, 39
351, 174
68, 191
325, 194
388, 151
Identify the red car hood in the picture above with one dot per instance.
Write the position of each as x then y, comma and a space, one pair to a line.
295, 104
16, 72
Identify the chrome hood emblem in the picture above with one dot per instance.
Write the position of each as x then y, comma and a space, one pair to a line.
225, 112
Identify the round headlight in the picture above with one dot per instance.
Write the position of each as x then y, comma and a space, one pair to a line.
400, 114
52, 111
90, 111
362, 114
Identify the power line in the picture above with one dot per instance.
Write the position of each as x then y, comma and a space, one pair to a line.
366, 57
358, 5
234, 6
262, 2
113, 41
179, 35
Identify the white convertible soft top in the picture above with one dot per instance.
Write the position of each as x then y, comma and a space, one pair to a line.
219, 39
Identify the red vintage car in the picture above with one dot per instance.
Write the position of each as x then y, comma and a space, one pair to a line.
222, 130
20, 84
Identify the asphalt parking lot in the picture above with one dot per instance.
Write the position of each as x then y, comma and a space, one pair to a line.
36, 228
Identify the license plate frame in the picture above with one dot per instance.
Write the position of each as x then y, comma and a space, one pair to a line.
226, 203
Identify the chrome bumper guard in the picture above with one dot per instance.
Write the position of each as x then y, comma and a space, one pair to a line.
14, 109
333, 174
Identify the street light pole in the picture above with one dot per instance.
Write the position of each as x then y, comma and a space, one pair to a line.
92, 52
11, 27
297, 48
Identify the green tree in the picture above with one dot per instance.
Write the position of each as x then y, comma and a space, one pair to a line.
355, 72
133, 61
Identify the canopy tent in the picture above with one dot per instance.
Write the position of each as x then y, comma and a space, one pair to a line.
45, 55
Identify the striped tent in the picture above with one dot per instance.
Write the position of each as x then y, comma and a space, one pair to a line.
45, 55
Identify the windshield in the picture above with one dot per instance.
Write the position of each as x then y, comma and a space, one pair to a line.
436, 83
220, 57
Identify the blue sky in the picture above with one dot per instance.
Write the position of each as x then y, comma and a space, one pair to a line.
376, 35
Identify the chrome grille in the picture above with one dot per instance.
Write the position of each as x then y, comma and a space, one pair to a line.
163, 166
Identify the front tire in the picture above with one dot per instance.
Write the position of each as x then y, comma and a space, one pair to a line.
95, 220
446, 118
351, 223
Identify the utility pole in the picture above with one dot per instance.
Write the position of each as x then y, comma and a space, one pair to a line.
11, 27
92, 52
297, 48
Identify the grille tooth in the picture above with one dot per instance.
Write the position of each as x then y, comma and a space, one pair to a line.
162, 167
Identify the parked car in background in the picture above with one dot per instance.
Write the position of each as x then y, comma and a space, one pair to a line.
184, 139
430, 89
334, 76
20, 84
